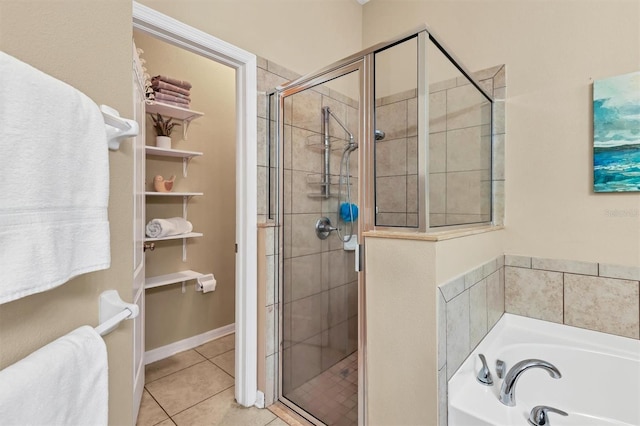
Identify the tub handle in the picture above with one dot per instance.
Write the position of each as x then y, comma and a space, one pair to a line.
500, 368
484, 375
539, 415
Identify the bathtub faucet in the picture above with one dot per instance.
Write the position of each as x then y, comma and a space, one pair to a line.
508, 389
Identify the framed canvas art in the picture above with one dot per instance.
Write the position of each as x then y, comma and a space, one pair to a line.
616, 134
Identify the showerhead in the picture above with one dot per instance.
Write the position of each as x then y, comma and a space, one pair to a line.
379, 135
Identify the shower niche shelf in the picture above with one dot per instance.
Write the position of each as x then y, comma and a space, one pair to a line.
183, 114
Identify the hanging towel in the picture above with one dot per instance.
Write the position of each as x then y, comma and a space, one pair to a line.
63, 383
160, 228
54, 184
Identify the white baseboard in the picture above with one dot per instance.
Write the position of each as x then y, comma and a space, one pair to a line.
182, 345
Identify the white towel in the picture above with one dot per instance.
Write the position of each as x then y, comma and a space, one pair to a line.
159, 228
54, 182
63, 383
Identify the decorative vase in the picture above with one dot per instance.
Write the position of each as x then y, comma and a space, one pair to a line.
163, 142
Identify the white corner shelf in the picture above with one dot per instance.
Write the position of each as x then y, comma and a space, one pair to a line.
177, 277
172, 194
183, 114
175, 237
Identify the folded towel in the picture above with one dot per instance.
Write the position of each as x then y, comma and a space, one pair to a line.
160, 228
175, 82
185, 106
63, 383
54, 189
165, 97
159, 84
172, 93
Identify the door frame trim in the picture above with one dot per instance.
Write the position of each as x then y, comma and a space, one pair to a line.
186, 37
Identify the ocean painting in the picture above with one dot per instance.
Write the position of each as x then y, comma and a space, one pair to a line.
616, 134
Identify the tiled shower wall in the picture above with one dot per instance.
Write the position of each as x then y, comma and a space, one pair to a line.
269, 76
459, 153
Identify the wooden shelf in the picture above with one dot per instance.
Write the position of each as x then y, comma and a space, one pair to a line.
165, 152
177, 277
176, 237
165, 110
172, 194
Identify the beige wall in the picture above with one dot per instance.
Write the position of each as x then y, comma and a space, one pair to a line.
170, 314
401, 332
553, 52
66, 40
302, 35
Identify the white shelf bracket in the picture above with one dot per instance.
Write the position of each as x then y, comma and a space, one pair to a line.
185, 163
185, 128
184, 255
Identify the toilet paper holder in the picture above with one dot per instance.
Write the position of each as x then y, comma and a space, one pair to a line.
206, 283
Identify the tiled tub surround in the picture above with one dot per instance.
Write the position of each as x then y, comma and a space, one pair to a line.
468, 307
460, 181
595, 296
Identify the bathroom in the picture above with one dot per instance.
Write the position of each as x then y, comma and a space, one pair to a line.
551, 55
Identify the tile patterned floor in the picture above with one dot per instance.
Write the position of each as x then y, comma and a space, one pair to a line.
333, 395
195, 387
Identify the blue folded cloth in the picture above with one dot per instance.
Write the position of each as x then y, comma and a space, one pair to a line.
348, 212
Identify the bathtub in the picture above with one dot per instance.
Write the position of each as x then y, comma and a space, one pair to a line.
600, 382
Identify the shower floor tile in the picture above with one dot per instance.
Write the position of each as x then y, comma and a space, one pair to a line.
332, 396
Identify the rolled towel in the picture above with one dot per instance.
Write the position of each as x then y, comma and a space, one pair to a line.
160, 228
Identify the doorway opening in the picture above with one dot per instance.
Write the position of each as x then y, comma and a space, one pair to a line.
149, 23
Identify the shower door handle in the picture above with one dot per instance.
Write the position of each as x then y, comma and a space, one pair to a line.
359, 257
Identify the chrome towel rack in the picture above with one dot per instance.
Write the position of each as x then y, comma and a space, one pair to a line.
118, 128
113, 310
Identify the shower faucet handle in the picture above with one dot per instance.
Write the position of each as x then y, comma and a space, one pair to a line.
324, 228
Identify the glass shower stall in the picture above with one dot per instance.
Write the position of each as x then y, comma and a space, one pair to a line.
394, 138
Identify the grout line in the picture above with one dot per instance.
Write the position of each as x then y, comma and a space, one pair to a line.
177, 371
199, 402
159, 405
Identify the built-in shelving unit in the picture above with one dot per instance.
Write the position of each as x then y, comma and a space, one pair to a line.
183, 114
186, 116
176, 277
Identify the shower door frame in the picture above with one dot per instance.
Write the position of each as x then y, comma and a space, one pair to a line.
361, 65
364, 61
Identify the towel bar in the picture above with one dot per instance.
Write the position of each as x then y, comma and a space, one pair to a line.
113, 310
118, 128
